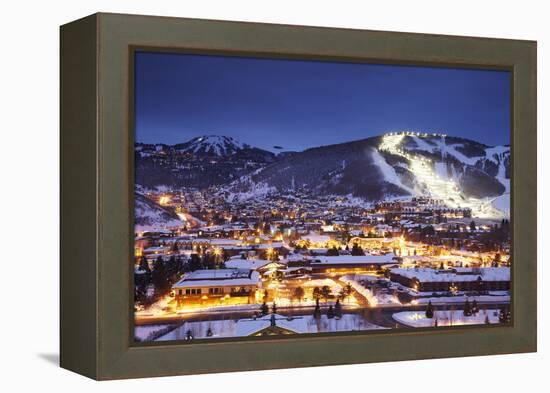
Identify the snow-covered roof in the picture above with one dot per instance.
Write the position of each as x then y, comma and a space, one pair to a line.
155, 248
211, 228
316, 238
224, 241
293, 269
379, 239
359, 259
247, 327
455, 275
272, 245
251, 264
218, 277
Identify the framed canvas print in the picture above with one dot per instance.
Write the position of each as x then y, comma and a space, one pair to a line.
240, 196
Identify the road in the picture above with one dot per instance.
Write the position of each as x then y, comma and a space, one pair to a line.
381, 316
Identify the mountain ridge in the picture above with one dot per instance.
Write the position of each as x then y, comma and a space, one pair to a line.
374, 168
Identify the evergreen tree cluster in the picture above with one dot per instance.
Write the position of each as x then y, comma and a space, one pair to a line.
161, 277
356, 250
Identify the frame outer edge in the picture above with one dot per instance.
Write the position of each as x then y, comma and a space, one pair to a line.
525, 187
78, 197
117, 358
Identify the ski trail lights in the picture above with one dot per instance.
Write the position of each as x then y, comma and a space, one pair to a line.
437, 187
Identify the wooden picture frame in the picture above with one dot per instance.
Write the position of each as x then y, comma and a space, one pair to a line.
97, 194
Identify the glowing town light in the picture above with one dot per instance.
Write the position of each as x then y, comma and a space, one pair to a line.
164, 200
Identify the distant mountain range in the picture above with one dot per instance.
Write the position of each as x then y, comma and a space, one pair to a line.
201, 162
376, 168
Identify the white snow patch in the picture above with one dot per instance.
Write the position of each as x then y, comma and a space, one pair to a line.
445, 318
388, 172
502, 203
423, 145
249, 326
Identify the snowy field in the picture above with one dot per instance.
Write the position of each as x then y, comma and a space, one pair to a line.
144, 332
445, 318
245, 327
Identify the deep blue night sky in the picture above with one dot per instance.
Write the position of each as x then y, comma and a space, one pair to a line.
301, 104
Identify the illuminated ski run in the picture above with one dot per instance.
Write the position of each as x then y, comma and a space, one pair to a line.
436, 187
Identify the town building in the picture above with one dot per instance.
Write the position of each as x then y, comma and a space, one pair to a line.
452, 280
210, 287
346, 263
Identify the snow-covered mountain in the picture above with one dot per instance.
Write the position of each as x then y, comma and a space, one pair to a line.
200, 162
461, 172
212, 145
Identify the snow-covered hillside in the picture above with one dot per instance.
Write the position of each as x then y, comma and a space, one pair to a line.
150, 216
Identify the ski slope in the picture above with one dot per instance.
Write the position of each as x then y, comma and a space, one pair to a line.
437, 186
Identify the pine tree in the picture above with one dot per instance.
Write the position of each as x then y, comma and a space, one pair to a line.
317, 311
348, 289
325, 292
274, 308
330, 312
299, 293
338, 309
140, 288
356, 250
316, 294
159, 277
264, 309
475, 308
430, 310
144, 265
171, 268
195, 263
467, 308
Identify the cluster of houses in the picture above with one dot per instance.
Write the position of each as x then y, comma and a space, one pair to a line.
305, 236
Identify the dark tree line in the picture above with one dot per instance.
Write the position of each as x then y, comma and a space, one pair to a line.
161, 277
